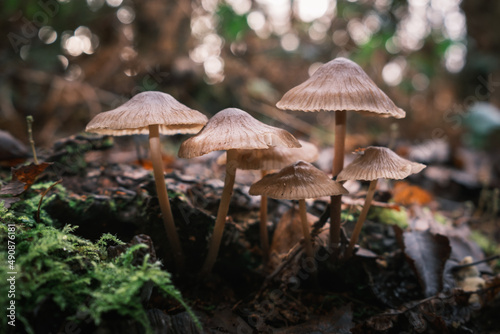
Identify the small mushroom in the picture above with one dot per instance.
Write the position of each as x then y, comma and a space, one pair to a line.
266, 160
339, 85
153, 113
371, 164
298, 181
231, 129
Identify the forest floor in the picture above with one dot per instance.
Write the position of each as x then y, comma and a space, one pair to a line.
420, 267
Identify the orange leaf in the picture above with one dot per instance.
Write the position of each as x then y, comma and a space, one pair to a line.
28, 174
147, 164
405, 194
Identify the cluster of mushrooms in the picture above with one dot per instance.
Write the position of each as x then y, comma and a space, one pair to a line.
338, 85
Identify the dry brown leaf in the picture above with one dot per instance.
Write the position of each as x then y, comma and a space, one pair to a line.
23, 177
288, 232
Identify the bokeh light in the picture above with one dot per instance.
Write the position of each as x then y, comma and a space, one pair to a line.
455, 57
82, 41
126, 14
114, 3
47, 35
310, 10
392, 73
240, 7
290, 42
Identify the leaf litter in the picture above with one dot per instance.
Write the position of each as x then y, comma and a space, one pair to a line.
399, 280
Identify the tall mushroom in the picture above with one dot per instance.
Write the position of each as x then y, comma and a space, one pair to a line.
231, 129
372, 164
153, 113
339, 85
298, 181
266, 160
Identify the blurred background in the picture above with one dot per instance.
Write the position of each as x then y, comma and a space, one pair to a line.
64, 61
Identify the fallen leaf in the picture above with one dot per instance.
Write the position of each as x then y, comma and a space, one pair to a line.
462, 246
22, 178
7, 202
361, 201
406, 194
366, 253
167, 160
11, 148
28, 174
430, 151
427, 254
492, 288
338, 321
288, 232
13, 188
380, 323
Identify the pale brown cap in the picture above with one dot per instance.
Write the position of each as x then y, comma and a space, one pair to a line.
234, 128
379, 163
144, 109
339, 85
299, 180
274, 157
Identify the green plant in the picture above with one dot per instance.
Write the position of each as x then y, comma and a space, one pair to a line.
76, 275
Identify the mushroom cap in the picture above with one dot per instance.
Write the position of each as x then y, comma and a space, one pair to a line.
144, 109
299, 180
234, 128
339, 85
379, 163
274, 157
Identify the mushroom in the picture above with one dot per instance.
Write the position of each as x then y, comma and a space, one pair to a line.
339, 85
153, 113
269, 159
231, 129
298, 181
371, 164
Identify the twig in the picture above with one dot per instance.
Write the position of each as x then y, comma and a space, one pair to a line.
407, 307
460, 266
322, 219
287, 259
41, 199
29, 120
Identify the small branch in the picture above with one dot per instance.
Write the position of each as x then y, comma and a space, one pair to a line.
29, 120
37, 218
407, 307
460, 266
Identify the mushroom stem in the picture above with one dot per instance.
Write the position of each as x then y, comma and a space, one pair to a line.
305, 228
161, 189
361, 218
213, 250
264, 239
338, 165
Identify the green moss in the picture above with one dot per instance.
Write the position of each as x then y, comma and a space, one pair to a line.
390, 216
347, 216
46, 185
440, 218
76, 275
120, 284
486, 244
